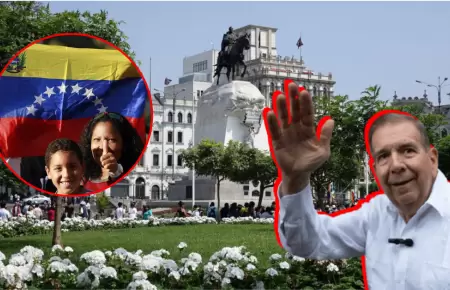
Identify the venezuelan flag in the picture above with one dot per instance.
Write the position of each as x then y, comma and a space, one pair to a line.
51, 92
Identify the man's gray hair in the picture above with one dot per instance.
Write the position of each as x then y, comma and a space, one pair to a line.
395, 118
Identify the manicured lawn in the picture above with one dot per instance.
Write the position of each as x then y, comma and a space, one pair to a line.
203, 239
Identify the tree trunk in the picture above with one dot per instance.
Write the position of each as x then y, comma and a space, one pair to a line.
261, 193
218, 198
57, 228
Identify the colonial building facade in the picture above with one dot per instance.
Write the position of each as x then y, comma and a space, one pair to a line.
267, 69
174, 116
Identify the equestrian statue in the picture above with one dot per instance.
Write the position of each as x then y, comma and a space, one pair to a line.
232, 54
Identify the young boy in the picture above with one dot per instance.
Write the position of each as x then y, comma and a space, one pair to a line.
64, 166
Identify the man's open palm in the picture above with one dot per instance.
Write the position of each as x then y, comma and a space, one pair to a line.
297, 150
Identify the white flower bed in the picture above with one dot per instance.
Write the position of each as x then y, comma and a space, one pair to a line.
28, 225
231, 267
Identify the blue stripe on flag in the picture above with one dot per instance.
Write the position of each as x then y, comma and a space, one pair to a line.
53, 99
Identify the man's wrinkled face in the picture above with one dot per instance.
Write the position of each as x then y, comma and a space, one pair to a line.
404, 167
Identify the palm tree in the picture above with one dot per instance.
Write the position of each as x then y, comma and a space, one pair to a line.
372, 91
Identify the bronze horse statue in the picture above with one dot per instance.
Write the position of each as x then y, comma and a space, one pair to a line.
233, 58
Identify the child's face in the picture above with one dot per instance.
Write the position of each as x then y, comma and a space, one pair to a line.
106, 131
65, 171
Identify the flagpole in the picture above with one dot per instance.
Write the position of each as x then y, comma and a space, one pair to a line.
300, 50
150, 79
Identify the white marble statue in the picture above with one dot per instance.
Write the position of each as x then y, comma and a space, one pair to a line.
232, 111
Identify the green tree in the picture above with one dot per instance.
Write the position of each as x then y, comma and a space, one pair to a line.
341, 167
373, 187
256, 166
209, 158
9, 180
347, 144
432, 121
102, 201
443, 147
24, 22
363, 109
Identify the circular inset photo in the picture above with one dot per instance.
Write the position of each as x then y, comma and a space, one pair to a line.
75, 114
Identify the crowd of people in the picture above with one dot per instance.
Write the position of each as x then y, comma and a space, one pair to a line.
332, 207
249, 209
45, 210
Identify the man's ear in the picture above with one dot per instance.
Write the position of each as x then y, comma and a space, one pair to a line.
433, 154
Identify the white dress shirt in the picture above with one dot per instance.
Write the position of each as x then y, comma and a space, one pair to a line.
365, 231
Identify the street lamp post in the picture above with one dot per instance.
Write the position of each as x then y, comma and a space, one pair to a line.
193, 144
161, 188
438, 87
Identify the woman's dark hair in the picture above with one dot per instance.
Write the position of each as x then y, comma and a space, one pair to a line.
132, 143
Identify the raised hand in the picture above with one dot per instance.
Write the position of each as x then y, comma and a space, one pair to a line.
107, 159
297, 150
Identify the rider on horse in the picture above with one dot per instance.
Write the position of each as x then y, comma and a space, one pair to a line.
228, 40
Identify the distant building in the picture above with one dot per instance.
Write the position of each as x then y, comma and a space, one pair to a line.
203, 63
267, 69
428, 107
172, 132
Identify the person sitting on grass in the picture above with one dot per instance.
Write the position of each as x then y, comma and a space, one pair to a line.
181, 212
146, 212
64, 166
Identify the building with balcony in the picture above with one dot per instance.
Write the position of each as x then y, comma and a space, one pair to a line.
267, 69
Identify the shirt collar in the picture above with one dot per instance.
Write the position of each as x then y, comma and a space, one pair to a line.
439, 198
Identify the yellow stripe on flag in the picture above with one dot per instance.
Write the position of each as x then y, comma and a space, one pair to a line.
59, 62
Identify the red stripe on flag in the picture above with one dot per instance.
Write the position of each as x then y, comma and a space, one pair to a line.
30, 137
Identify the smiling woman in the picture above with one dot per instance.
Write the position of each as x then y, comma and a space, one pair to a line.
111, 146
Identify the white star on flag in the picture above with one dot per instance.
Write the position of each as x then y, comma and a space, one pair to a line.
62, 88
102, 109
49, 92
97, 101
76, 89
88, 93
39, 99
31, 110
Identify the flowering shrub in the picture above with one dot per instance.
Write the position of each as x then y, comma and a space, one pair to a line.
229, 268
22, 226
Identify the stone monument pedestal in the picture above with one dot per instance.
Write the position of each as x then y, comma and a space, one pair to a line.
231, 111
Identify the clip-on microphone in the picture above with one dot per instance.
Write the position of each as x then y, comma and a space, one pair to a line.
406, 242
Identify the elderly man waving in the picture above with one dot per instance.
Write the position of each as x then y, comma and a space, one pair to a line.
403, 233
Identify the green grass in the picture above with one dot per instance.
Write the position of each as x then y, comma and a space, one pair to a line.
203, 239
